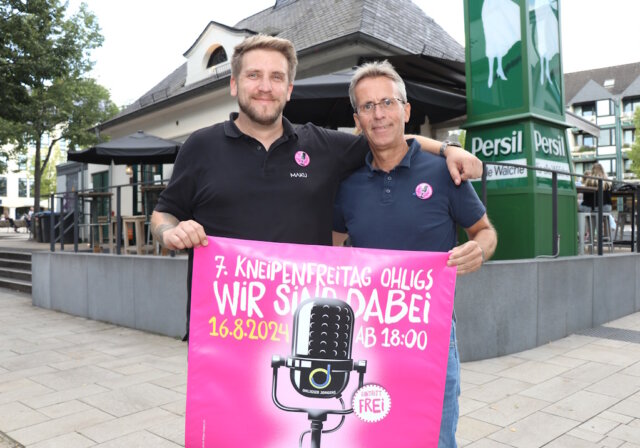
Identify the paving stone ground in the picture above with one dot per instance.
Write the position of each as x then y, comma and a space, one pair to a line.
70, 382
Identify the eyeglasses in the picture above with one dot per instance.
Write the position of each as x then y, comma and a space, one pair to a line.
385, 104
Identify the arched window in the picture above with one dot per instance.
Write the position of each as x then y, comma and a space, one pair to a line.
218, 56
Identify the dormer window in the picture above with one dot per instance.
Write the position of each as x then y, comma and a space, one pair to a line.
209, 57
218, 56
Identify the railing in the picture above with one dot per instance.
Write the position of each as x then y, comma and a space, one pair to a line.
554, 202
635, 221
73, 201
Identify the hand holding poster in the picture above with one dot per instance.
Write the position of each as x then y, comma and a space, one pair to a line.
284, 337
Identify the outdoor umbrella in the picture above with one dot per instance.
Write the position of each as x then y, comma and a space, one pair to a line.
138, 148
324, 101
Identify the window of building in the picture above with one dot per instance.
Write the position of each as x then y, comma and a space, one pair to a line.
217, 57
22, 188
628, 135
609, 166
605, 108
588, 140
607, 137
630, 106
608, 83
586, 110
3, 186
22, 163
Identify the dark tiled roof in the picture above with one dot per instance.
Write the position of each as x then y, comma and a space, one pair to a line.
591, 91
309, 23
170, 87
633, 89
623, 75
400, 23
166, 87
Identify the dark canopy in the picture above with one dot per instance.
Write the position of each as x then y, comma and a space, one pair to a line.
433, 89
138, 148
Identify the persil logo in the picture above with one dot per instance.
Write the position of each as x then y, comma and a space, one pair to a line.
513, 145
549, 146
497, 146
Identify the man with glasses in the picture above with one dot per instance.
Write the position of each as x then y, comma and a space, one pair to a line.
404, 199
258, 177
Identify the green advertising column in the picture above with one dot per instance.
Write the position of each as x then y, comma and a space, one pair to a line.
515, 114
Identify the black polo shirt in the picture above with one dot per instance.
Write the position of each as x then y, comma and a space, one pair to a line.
227, 181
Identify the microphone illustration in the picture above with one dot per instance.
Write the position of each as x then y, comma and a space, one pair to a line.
320, 363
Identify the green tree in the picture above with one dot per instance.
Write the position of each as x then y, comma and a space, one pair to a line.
635, 148
48, 178
44, 88
462, 137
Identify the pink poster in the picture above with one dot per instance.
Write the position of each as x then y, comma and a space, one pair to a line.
309, 346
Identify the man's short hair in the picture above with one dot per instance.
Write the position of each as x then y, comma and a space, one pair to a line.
264, 42
373, 70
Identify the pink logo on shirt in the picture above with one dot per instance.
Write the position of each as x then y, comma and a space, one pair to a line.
424, 190
302, 158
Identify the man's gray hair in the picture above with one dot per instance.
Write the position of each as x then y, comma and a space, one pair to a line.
373, 70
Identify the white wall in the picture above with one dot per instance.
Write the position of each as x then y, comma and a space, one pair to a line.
198, 56
12, 201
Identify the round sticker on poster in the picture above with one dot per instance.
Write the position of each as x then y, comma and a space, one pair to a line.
302, 158
424, 190
371, 403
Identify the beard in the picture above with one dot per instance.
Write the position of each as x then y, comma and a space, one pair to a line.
263, 118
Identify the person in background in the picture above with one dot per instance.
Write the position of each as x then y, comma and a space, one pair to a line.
27, 218
590, 201
12, 223
580, 181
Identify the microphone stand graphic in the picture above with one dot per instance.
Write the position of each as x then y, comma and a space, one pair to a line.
320, 361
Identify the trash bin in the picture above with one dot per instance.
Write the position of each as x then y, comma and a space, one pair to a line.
37, 226
45, 229
45, 223
67, 227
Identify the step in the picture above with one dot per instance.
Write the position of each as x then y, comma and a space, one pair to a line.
15, 264
18, 274
16, 285
9, 255
8, 442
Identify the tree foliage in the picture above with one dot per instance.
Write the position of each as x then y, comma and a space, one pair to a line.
48, 178
635, 148
44, 88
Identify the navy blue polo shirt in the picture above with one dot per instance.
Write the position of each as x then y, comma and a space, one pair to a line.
230, 184
415, 206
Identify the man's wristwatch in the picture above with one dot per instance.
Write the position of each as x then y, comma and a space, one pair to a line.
448, 143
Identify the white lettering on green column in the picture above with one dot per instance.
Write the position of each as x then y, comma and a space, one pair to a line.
549, 146
497, 146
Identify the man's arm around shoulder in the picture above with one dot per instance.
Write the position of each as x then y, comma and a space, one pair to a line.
462, 164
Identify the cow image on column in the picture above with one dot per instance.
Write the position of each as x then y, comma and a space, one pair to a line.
501, 23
